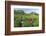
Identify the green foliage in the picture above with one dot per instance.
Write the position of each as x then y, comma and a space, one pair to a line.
19, 12
20, 16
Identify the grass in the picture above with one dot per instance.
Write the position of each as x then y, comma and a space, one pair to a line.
25, 18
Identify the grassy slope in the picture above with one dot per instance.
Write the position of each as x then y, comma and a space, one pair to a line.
25, 17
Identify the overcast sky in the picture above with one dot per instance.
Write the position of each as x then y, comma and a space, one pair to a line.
28, 10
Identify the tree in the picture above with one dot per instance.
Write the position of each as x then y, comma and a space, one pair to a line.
34, 13
19, 12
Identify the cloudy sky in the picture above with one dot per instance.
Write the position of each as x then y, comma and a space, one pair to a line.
28, 10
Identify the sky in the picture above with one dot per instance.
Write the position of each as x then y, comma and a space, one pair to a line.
27, 10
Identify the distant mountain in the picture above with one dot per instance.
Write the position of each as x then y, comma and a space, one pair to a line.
19, 12
22, 12
34, 13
